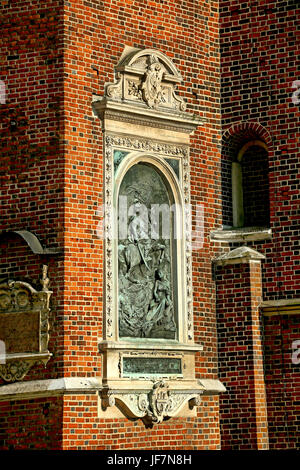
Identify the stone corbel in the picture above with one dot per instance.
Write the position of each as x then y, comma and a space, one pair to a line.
16, 367
152, 405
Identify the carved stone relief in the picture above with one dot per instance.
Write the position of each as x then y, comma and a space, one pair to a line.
153, 407
123, 145
149, 79
147, 343
146, 299
24, 326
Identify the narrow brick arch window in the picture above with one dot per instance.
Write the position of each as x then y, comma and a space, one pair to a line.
250, 186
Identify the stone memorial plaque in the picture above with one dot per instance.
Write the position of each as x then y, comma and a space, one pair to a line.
151, 366
20, 331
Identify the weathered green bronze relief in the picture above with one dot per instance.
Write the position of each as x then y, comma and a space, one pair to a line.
152, 366
174, 164
118, 157
145, 250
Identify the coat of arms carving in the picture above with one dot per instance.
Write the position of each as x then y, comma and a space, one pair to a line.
160, 402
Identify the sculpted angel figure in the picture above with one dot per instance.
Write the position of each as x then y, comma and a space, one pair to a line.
161, 307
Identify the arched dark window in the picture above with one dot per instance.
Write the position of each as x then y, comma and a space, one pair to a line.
250, 186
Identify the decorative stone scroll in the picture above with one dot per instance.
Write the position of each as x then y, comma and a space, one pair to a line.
24, 326
147, 78
151, 406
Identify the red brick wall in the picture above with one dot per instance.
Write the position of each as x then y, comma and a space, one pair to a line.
83, 430
190, 39
259, 60
31, 138
31, 424
54, 159
243, 406
283, 380
31, 160
259, 57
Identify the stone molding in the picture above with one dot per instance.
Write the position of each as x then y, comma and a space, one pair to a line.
116, 112
49, 387
231, 235
91, 385
280, 307
146, 147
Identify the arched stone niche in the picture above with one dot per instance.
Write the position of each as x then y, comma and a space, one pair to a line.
151, 264
148, 344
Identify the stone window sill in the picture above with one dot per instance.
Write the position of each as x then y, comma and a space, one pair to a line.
242, 234
148, 344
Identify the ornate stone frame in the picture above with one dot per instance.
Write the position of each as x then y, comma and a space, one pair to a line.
148, 128
20, 303
181, 193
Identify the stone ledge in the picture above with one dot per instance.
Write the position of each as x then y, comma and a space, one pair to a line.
242, 254
69, 385
212, 386
50, 387
242, 234
148, 344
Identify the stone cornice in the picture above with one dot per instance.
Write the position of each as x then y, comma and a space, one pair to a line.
161, 345
81, 385
110, 110
242, 254
50, 387
231, 235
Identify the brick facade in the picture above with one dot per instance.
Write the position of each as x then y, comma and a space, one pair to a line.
259, 45
56, 56
282, 380
243, 411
